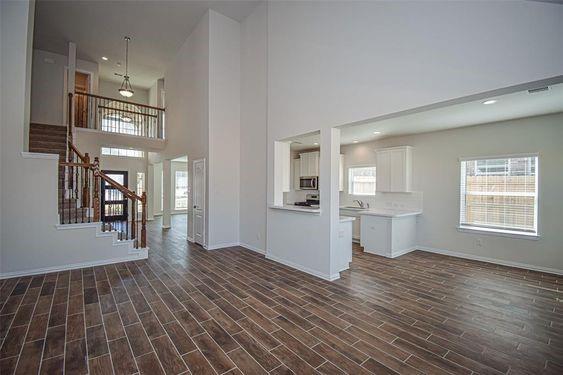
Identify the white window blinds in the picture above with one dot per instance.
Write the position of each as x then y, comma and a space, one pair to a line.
361, 181
500, 193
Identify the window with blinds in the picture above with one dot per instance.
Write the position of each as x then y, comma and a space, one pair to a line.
500, 194
361, 181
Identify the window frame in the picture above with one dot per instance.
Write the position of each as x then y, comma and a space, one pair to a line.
142, 155
176, 187
350, 167
495, 231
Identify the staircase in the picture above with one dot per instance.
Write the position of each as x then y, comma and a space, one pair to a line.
51, 139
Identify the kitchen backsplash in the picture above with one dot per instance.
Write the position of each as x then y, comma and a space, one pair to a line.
402, 201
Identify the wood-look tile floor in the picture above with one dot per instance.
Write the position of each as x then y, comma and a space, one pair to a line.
185, 310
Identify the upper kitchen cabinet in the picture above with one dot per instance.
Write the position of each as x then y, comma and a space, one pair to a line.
394, 170
309, 164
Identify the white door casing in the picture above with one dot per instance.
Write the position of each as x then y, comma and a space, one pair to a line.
199, 201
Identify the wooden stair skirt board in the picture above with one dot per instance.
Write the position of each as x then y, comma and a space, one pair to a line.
48, 139
124, 251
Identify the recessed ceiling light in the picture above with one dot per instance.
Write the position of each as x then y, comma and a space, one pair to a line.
316, 143
105, 58
355, 141
490, 101
376, 133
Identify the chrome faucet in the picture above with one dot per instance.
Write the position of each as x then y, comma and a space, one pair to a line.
361, 203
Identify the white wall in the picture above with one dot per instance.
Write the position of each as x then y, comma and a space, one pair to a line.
224, 131
253, 125
334, 63
31, 241
155, 93
436, 173
187, 102
47, 85
110, 90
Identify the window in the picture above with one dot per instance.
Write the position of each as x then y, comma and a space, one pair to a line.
140, 189
113, 151
181, 191
500, 194
361, 181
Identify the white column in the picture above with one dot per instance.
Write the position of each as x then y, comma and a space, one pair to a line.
149, 188
70, 79
167, 189
329, 192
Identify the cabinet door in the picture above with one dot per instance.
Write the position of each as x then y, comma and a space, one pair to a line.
397, 169
296, 174
382, 171
304, 165
314, 163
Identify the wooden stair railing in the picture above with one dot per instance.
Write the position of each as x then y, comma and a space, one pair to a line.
80, 202
116, 116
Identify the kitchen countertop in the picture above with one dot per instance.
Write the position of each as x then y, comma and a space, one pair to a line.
344, 219
291, 207
386, 212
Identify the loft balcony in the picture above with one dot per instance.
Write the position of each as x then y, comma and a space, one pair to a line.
111, 117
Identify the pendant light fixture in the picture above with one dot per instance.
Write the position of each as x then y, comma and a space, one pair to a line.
126, 90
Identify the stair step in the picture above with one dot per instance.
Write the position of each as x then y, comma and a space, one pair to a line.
51, 128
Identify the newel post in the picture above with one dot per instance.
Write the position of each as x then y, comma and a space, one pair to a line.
144, 220
96, 200
86, 185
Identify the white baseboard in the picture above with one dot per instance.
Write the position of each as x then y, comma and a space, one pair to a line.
222, 245
141, 254
190, 239
253, 248
304, 269
397, 254
491, 260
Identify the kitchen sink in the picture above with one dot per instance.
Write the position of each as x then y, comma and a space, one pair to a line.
354, 208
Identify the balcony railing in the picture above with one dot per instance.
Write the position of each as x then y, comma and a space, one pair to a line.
117, 116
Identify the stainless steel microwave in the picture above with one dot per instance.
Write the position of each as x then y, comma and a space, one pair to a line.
309, 183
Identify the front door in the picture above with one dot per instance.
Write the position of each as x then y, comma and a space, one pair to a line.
114, 203
199, 201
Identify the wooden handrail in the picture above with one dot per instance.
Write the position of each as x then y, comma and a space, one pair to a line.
127, 111
72, 147
119, 100
128, 193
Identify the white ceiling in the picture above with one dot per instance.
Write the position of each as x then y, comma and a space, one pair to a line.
157, 28
509, 106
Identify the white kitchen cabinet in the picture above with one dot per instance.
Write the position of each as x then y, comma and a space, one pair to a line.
388, 236
394, 169
356, 224
296, 174
309, 164
341, 174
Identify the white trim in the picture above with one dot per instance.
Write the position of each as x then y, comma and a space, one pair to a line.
396, 254
142, 254
503, 156
304, 269
491, 260
94, 224
498, 232
222, 245
88, 130
190, 239
253, 248
166, 227
39, 155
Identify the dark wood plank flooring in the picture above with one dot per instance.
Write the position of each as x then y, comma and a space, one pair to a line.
231, 311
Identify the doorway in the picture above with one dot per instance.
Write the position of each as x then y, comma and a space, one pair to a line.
81, 85
199, 201
114, 203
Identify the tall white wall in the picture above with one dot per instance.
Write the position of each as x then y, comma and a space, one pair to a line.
187, 102
253, 125
333, 63
436, 173
47, 86
223, 167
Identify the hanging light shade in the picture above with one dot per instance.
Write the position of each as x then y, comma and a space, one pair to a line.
126, 90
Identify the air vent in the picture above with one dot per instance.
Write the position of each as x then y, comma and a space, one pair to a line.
539, 89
